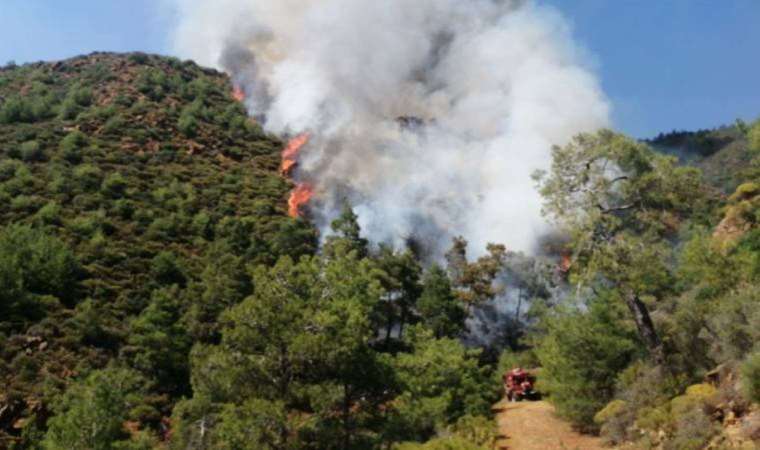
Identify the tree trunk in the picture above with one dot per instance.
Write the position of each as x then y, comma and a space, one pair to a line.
646, 327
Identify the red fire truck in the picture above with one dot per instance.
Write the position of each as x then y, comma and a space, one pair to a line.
519, 385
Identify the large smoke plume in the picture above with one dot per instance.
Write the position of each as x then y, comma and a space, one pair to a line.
428, 116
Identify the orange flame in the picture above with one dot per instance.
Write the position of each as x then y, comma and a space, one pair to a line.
291, 151
298, 198
238, 93
565, 263
287, 165
303, 192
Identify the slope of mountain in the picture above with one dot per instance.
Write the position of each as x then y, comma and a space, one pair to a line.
144, 302
134, 172
722, 153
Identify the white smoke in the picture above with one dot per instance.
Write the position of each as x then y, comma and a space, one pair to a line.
486, 87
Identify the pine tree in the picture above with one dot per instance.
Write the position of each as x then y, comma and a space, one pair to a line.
439, 308
347, 236
621, 203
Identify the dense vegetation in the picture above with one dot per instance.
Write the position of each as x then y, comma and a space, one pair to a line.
720, 153
134, 191
154, 293
666, 310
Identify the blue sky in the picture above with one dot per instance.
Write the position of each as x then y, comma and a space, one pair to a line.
665, 64
672, 64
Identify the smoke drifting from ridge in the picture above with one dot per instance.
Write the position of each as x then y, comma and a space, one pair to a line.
428, 116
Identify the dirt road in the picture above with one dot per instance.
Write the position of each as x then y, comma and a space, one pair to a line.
533, 426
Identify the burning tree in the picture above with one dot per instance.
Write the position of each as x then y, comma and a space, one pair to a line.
303, 192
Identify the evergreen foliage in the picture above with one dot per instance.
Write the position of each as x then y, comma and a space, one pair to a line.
155, 294
582, 382
109, 221
92, 411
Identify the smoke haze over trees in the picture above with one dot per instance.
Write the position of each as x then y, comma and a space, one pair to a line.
158, 292
491, 86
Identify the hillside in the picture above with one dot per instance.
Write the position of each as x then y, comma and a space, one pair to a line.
140, 172
155, 292
721, 153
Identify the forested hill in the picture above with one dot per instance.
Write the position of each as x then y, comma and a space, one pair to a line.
122, 175
155, 294
720, 153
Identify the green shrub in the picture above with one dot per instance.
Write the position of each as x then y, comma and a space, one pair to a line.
124, 208
8, 169
441, 443
92, 412
653, 418
581, 383
43, 264
82, 96
14, 110
124, 100
164, 228
200, 88
187, 125
61, 184
165, 269
69, 109
152, 83
42, 108
254, 424
753, 136
693, 430
160, 342
745, 191
88, 176
736, 316
14, 152
613, 408
32, 108
138, 58
26, 203
50, 214
235, 153
202, 225
441, 382
31, 152
84, 226
114, 125
21, 183
114, 185
751, 377
71, 146
166, 155
479, 430
697, 397
99, 114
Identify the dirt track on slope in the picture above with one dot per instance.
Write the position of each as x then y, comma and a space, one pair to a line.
534, 426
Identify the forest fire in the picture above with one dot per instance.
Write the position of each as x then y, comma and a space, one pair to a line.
565, 263
238, 94
303, 191
291, 151
298, 198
